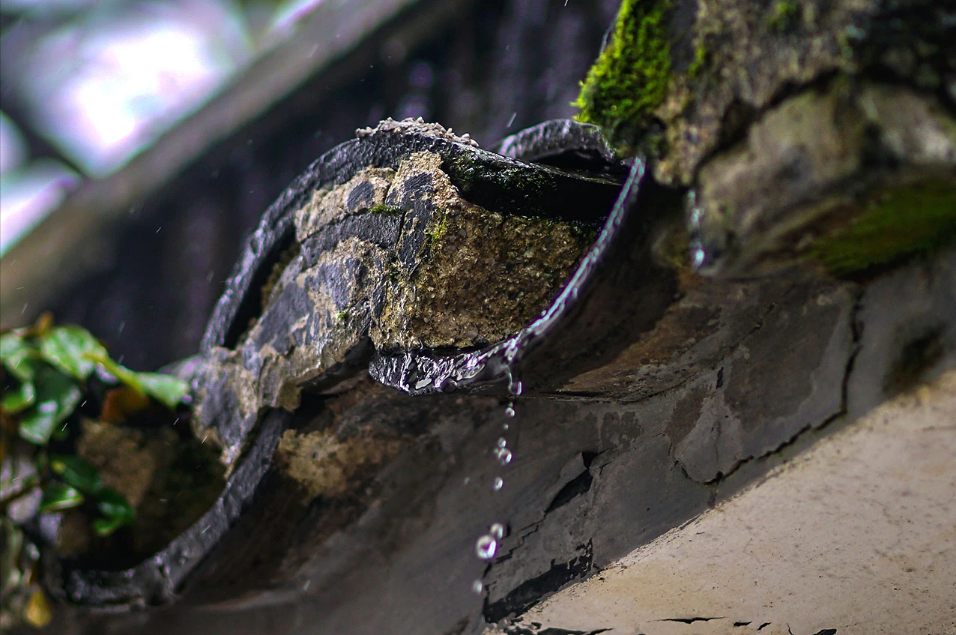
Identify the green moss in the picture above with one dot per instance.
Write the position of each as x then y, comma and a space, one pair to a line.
437, 229
384, 209
783, 16
632, 75
700, 59
892, 225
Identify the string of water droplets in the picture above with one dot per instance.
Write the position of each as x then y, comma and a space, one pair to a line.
486, 547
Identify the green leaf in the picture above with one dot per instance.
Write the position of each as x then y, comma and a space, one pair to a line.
77, 472
112, 504
9, 343
165, 389
103, 527
59, 496
121, 373
69, 347
56, 398
20, 358
19, 398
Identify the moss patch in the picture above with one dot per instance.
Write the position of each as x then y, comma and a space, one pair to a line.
632, 75
384, 209
891, 225
783, 16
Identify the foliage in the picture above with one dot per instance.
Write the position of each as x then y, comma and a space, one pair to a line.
632, 75
48, 374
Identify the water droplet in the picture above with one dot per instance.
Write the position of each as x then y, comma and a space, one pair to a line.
486, 547
477, 586
502, 442
498, 484
498, 530
510, 410
505, 427
503, 455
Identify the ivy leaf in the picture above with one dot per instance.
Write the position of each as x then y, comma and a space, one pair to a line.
115, 508
56, 398
68, 348
121, 373
165, 389
59, 496
103, 527
113, 504
19, 398
77, 472
21, 359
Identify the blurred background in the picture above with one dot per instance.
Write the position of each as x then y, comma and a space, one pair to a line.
140, 141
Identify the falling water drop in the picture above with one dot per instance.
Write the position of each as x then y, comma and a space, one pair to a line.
503, 455
498, 530
477, 586
502, 442
510, 410
486, 547
498, 484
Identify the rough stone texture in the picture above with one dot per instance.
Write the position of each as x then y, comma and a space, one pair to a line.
471, 276
327, 466
807, 129
727, 61
811, 164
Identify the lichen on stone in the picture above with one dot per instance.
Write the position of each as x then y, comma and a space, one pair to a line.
478, 276
325, 465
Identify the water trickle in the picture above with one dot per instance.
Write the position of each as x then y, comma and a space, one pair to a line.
699, 257
498, 483
486, 547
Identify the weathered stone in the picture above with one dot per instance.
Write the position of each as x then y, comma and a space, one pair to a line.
683, 78
395, 256
814, 165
